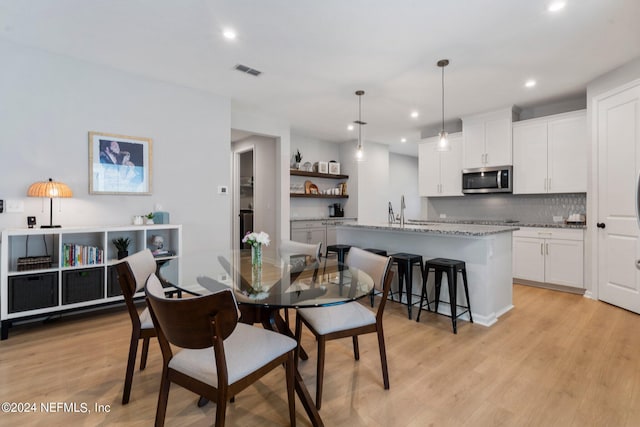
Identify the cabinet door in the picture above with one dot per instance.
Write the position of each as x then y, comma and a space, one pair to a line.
497, 140
473, 144
428, 169
451, 168
568, 143
564, 262
528, 258
318, 235
300, 235
530, 158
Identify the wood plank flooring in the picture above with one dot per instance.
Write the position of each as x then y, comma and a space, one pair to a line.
556, 359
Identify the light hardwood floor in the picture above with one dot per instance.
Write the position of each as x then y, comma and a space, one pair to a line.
556, 359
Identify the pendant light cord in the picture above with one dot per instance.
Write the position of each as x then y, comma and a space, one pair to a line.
443, 99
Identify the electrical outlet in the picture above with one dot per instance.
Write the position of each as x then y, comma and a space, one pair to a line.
223, 189
443, 216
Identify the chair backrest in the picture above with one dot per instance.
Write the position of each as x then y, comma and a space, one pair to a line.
134, 270
289, 247
192, 322
376, 266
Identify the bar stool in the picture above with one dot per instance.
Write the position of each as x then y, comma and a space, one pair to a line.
406, 262
380, 252
341, 251
451, 267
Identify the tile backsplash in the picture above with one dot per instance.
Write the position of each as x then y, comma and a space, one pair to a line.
531, 208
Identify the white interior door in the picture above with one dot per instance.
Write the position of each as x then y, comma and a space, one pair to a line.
618, 139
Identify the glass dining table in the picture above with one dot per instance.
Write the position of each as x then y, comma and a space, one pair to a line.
263, 291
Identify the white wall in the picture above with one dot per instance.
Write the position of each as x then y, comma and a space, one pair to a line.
368, 180
51, 102
403, 179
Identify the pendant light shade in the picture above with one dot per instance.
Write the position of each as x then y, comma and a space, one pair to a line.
443, 137
360, 123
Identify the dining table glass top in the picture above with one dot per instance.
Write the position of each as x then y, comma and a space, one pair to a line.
296, 281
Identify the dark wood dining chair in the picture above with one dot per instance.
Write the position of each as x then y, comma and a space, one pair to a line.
132, 275
350, 319
217, 357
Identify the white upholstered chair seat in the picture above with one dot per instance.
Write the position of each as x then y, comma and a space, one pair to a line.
247, 349
326, 320
146, 322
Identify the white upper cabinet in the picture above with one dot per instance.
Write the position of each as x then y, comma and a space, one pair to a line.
487, 139
440, 172
550, 154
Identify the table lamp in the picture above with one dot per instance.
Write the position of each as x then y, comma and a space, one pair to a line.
49, 189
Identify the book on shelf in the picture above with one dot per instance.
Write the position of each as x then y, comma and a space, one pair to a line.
77, 255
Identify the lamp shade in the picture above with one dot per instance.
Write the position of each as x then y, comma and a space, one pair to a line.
49, 189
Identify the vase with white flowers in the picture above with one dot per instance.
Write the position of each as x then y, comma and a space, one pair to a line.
256, 240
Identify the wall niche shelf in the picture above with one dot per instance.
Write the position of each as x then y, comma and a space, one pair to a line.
319, 196
297, 172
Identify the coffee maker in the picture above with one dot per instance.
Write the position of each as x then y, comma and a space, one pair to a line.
336, 210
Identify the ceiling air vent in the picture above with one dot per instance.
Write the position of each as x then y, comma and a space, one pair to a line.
248, 70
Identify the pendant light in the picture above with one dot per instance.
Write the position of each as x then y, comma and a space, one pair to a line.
360, 123
443, 138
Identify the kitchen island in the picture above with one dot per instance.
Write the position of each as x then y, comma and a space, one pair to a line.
486, 250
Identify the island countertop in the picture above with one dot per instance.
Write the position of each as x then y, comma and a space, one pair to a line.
439, 228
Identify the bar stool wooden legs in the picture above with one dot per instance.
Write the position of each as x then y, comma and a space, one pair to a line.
451, 267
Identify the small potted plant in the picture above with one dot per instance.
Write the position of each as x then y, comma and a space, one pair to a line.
149, 218
297, 157
122, 245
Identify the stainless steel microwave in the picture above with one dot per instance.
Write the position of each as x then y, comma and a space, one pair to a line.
488, 180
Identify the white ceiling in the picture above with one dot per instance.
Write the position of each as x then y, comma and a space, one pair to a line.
315, 54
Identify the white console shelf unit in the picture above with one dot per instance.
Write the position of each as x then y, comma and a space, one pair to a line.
55, 287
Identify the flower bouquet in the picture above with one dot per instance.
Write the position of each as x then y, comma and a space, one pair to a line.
256, 240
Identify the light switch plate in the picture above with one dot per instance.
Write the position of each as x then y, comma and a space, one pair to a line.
14, 205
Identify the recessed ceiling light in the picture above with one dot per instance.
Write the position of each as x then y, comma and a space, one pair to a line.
530, 83
403, 140
556, 6
414, 114
229, 34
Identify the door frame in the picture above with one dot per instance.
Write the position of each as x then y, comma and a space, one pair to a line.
235, 191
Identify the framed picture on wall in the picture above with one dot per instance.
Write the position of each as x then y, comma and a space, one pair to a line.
119, 164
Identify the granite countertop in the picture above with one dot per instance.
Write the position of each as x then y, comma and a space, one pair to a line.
440, 228
579, 226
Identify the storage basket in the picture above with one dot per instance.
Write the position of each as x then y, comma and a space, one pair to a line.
34, 262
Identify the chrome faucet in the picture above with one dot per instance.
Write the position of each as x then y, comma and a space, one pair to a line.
403, 206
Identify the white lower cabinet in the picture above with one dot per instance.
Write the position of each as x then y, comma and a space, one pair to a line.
548, 255
314, 231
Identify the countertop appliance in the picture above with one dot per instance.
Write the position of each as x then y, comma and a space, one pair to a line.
497, 179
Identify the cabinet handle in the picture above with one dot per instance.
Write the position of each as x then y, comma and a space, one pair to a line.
541, 249
638, 264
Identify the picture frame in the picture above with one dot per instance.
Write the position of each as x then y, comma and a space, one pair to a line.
323, 167
334, 168
119, 164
